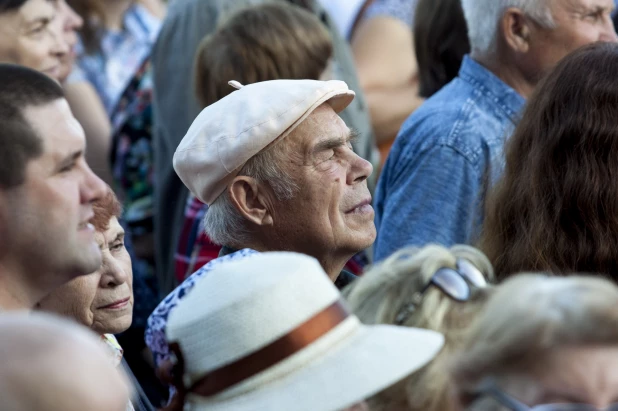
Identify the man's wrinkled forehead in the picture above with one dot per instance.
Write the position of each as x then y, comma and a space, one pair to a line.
322, 121
583, 6
321, 125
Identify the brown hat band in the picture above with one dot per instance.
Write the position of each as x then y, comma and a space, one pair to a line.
299, 338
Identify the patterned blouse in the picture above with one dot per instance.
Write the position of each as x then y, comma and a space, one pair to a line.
156, 339
122, 54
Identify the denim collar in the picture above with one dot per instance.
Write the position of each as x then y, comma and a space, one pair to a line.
503, 95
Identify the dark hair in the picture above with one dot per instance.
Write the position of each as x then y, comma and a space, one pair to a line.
20, 87
104, 209
556, 206
93, 14
440, 42
266, 42
8, 5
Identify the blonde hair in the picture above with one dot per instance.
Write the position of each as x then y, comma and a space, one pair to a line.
381, 294
531, 314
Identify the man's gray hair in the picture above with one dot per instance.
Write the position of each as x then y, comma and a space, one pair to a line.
222, 222
483, 19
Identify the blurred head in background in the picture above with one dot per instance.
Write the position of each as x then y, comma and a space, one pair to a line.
51, 364
32, 35
522, 40
266, 42
541, 341
71, 23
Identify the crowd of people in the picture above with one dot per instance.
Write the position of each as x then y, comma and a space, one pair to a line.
320, 205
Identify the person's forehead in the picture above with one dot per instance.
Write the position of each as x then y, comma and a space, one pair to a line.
323, 123
583, 5
31, 11
55, 125
114, 230
583, 370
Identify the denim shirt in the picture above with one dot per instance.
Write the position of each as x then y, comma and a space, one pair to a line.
433, 185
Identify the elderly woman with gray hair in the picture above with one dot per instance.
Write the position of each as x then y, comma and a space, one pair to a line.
543, 344
433, 288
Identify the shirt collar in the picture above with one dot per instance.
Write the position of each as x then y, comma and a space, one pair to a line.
501, 93
114, 349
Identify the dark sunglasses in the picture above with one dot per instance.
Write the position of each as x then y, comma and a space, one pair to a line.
454, 283
490, 389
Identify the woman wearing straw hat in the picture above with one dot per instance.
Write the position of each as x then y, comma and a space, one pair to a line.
285, 340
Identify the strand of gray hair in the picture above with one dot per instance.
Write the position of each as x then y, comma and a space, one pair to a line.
222, 222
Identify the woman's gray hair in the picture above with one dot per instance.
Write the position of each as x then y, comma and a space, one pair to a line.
222, 222
388, 288
529, 315
483, 19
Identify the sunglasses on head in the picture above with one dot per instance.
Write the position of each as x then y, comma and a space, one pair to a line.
490, 389
454, 283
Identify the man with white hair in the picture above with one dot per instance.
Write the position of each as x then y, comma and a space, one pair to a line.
274, 162
449, 151
52, 364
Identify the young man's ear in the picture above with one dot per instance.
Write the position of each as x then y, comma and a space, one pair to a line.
516, 30
251, 200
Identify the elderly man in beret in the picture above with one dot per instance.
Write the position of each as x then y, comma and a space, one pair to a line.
274, 162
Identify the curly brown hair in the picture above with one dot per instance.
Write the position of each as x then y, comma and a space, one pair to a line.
556, 207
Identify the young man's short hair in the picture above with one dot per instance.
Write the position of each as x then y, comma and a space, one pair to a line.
9, 5
21, 87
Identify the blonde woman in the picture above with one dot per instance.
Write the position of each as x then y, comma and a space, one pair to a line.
434, 288
543, 343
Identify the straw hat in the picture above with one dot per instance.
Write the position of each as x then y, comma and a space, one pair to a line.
271, 332
226, 134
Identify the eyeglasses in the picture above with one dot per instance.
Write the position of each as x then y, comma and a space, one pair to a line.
454, 283
490, 389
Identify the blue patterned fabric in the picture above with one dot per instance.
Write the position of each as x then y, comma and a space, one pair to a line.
400, 9
157, 322
448, 152
121, 56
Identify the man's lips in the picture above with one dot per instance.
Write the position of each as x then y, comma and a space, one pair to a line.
364, 205
117, 304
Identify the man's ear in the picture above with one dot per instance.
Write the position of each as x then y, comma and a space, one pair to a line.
516, 30
251, 200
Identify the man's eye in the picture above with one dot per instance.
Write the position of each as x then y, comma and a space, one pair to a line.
39, 29
595, 16
67, 168
117, 247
